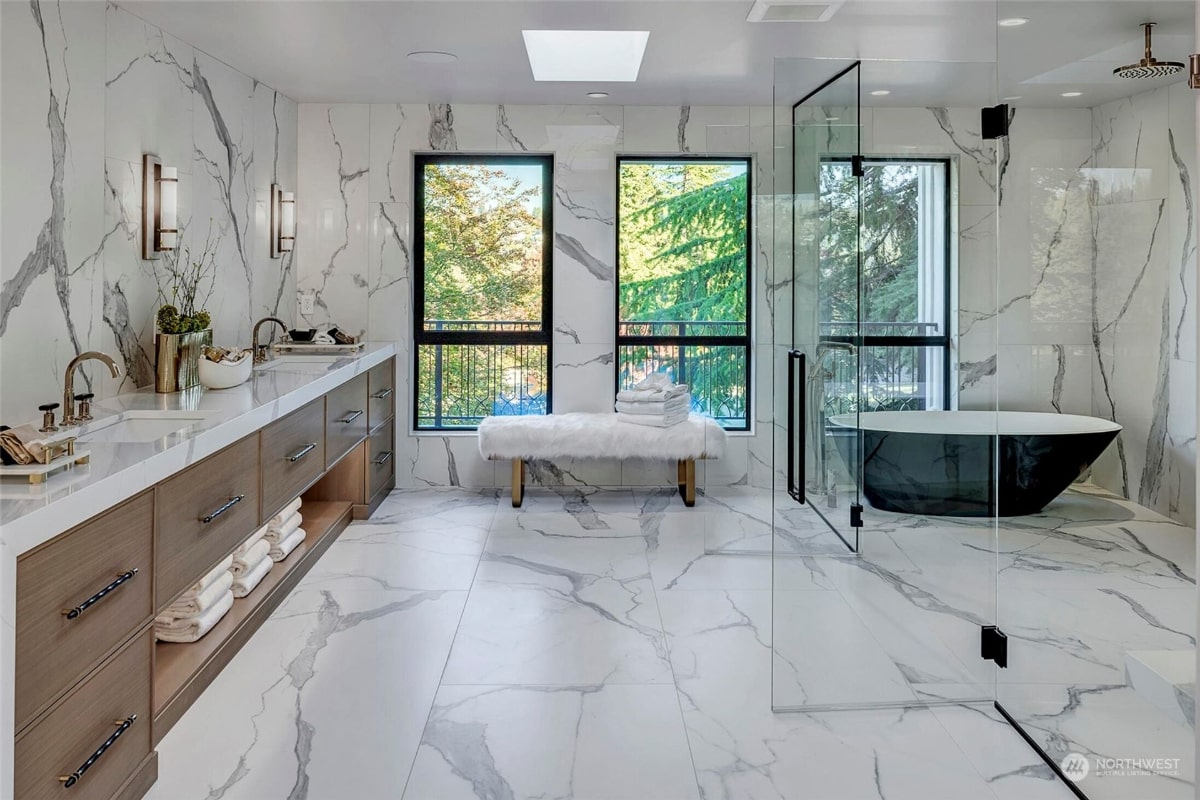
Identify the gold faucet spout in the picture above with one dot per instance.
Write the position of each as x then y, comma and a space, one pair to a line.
260, 351
114, 370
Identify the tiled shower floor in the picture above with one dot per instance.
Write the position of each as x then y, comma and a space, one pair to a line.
615, 645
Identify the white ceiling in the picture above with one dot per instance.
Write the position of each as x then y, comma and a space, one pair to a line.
701, 52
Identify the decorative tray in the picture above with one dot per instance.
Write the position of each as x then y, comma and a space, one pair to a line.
63, 455
318, 348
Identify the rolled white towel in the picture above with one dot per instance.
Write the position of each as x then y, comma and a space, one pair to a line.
194, 604
249, 560
254, 539
652, 395
277, 533
653, 420
190, 629
675, 404
212, 575
244, 584
288, 510
284, 548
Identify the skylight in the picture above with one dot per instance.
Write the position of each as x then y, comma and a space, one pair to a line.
593, 56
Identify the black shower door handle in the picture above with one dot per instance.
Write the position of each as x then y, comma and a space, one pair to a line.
796, 406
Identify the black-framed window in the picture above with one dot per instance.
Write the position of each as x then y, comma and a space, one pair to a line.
483, 245
683, 278
896, 306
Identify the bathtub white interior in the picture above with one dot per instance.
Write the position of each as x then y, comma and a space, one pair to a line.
975, 423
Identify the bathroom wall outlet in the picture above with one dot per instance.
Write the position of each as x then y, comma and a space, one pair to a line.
308, 303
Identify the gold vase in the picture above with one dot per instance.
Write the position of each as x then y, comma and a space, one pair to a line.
177, 360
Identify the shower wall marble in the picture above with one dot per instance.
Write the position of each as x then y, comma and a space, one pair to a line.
1143, 276
354, 207
88, 88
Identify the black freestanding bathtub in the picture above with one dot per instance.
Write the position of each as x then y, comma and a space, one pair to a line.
944, 463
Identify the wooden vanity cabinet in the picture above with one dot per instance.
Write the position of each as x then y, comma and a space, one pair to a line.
345, 419
293, 456
202, 514
81, 595
381, 386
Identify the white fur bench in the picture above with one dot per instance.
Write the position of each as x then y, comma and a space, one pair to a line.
599, 436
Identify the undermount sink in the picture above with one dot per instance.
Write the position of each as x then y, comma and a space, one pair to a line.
141, 426
300, 363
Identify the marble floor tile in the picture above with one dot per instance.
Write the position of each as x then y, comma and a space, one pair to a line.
328, 691
412, 559
585, 742
568, 632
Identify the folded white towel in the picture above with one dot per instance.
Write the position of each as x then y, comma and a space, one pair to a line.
652, 395
193, 604
244, 584
282, 549
212, 575
277, 533
674, 405
249, 560
254, 539
288, 510
191, 629
654, 420
655, 380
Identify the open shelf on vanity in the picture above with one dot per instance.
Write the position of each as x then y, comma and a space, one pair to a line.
183, 671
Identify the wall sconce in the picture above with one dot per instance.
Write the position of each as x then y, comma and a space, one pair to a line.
283, 221
160, 207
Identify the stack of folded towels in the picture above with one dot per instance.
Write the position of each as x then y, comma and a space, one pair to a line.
656, 402
199, 609
251, 563
284, 532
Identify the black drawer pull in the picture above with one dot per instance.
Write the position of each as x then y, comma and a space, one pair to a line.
233, 501
302, 452
384, 457
383, 394
353, 415
72, 613
122, 725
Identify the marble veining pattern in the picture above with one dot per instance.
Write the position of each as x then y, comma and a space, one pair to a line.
109, 87
602, 644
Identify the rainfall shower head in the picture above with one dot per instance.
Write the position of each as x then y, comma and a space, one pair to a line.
1148, 67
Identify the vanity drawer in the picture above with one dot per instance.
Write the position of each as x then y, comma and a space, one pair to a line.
202, 514
293, 455
72, 732
381, 383
381, 462
78, 597
345, 418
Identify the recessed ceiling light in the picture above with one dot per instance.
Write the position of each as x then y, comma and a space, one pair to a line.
432, 57
1012, 22
593, 56
597, 95
1072, 94
1013, 97
881, 92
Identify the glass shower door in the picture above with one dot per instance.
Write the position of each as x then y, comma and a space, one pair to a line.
824, 443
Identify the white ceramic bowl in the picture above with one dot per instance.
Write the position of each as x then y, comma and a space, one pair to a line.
225, 375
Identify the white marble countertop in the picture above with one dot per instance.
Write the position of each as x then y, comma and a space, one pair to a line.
34, 513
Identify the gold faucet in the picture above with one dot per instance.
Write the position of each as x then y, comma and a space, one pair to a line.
69, 417
260, 350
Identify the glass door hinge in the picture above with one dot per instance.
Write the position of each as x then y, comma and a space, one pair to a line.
856, 519
993, 121
857, 166
993, 645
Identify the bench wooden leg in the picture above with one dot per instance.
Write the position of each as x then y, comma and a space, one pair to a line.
518, 482
687, 481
